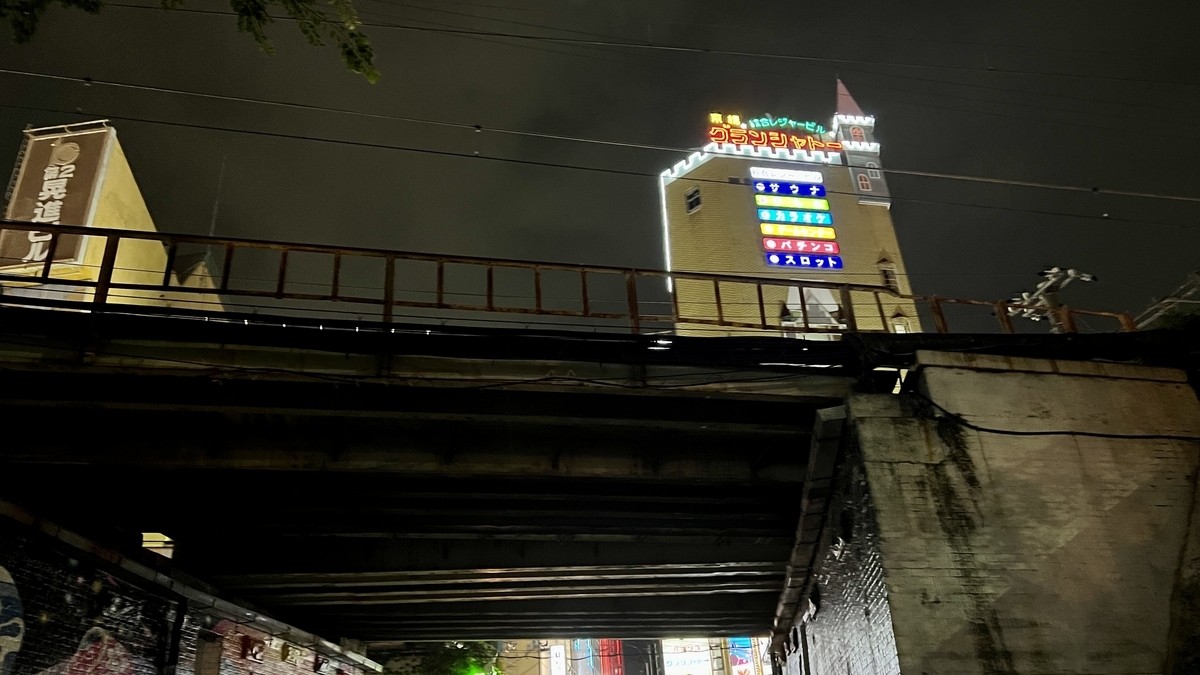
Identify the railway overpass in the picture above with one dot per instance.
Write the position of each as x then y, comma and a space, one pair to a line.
390, 480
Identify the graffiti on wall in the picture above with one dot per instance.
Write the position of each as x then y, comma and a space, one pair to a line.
12, 622
62, 616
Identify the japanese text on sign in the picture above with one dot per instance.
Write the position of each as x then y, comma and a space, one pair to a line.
801, 231
831, 262
806, 217
794, 189
768, 173
792, 202
768, 139
55, 176
800, 245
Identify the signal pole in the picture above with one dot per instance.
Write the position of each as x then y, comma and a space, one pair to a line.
1043, 302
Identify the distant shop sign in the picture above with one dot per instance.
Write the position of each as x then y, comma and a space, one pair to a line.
57, 183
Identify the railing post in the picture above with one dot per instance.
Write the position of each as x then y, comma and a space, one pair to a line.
335, 287
491, 286
537, 290
1002, 316
717, 298
1067, 317
104, 280
587, 310
762, 307
279, 284
225, 268
635, 321
1127, 322
171, 251
848, 310
50, 255
939, 319
389, 283
441, 284
803, 308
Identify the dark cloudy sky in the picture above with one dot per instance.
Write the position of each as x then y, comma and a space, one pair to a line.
1132, 124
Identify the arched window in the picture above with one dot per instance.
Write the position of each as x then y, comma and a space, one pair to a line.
864, 183
856, 134
873, 170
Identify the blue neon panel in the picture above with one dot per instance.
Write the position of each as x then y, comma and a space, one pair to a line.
829, 262
795, 217
775, 187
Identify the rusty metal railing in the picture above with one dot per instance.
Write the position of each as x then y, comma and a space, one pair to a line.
107, 279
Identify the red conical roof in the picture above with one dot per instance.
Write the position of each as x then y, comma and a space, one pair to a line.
846, 105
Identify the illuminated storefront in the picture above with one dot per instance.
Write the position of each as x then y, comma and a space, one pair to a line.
778, 197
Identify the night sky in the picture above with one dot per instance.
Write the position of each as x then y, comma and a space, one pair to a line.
1130, 124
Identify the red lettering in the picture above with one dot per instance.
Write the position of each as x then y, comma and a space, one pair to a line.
718, 134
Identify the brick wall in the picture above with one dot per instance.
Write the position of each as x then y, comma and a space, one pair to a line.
213, 646
1042, 553
851, 629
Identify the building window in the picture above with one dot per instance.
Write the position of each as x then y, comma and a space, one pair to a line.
873, 170
890, 279
856, 134
692, 199
864, 183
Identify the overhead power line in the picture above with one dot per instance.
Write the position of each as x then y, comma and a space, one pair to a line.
598, 169
708, 51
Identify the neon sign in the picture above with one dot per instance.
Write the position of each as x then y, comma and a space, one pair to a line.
783, 123
767, 173
800, 245
778, 188
801, 231
765, 123
768, 139
831, 262
786, 216
792, 202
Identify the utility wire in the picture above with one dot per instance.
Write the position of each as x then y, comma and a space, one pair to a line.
707, 51
624, 172
1013, 432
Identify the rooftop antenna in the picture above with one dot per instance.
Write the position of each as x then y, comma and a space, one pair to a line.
1043, 302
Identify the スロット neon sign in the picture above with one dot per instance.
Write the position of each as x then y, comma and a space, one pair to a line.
800, 246
768, 139
794, 189
831, 262
788, 216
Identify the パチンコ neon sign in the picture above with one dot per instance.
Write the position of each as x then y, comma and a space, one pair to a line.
800, 246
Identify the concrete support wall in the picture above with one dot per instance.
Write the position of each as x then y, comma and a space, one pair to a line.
1038, 553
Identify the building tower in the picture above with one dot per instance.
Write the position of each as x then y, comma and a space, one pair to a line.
791, 200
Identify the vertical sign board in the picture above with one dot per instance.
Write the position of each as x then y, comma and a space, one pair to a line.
58, 182
558, 660
741, 656
686, 657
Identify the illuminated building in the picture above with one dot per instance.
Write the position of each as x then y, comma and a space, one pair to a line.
774, 197
78, 175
